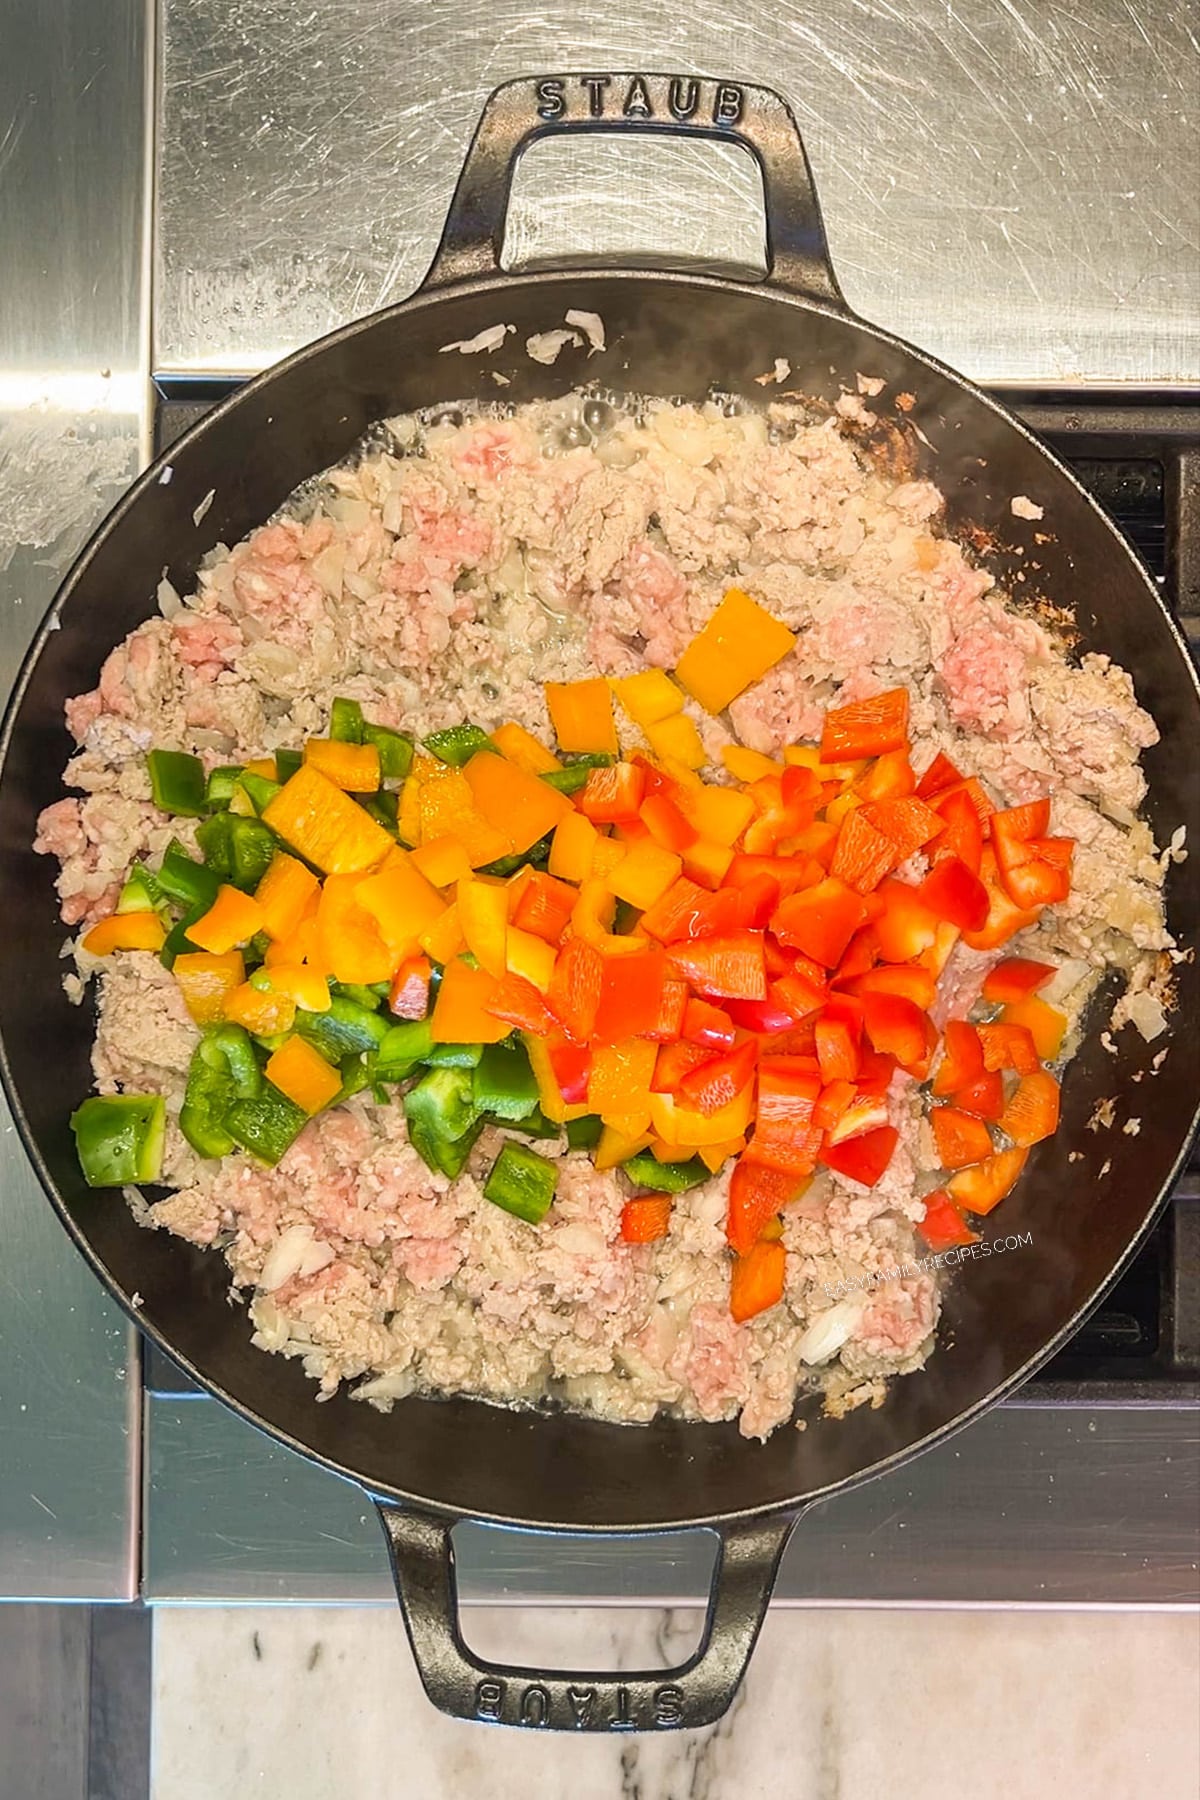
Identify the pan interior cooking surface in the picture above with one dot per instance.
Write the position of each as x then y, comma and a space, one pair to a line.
672, 335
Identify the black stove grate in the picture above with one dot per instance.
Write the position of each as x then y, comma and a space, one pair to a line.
1141, 461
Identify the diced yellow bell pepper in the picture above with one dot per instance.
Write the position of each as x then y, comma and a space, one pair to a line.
444, 940
408, 812
607, 852
615, 1147
285, 894
306, 986
514, 802
126, 931
259, 1010
594, 911
348, 940
459, 1012
550, 1097
206, 980
683, 1126
401, 902
808, 756
483, 916
302, 1073
582, 715
678, 739
530, 956
748, 765
521, 747
571, 848
298, 946
264, 766
448, 809
619, 1083
718, 813
644, 874
325, 825
442, 861
707, 862
352, 767
713, 1156
648, 696
233, 918
1045, 1023
738, 645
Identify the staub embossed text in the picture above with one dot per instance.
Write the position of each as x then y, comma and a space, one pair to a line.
684, 99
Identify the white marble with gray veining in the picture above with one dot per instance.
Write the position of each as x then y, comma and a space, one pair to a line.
324, 1704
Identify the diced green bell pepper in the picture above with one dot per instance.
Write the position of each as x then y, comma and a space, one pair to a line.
459, 744
357, 1074
232, 1044
209, 1096
119, 1138
384, 808
177, 941
454, 1056
141, 892
536, 1125
251, 847
346, 721
177, 782
568, 780
645, 1171
537, 856
584, 1134
346, 1029
442, 1125
260, 790
287, 764
214, 839
395, 750
186, 880
504, 1084
522, 1182
406, 1046
267, 1125
218, 789
364, 996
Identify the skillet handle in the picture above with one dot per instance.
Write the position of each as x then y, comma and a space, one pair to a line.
463, 1685
517, 113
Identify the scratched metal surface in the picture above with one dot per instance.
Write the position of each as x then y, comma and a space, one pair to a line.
1034, 1506
72, 404
1013, 184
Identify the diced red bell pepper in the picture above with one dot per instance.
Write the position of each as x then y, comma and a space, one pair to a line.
791, 872
723, 968
674, 1062
646, 1219
408, 996
862, 1114
864, 1159
666, 824
780, 961
908, 824
756, 1281
1032, 1110
519, 1003
756, 1194
984, 1096
835, 1099
983, 1186
962, 835
911, 981
906, 927
798, 991
960, 1137
862, 953
875, 1071
837, 1052
821, 920
1018, 823
940, 774
866, 727
574, 992
704, 1023
714, 1084
1004, 918
802, 787
890, 777
896, 1027
962, 1058
784, 1134
613, 796
631, 991
943, 1227
544, 906
952, 892
672, 1008
1014, 979
674, 914
757, 900
977, 795
1043, 877
766, 1018
1009, 1047
862, 855
572, 1066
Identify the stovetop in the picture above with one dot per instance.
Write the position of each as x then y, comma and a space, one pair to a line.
193, 188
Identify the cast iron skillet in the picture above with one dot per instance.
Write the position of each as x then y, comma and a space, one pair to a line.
674, 333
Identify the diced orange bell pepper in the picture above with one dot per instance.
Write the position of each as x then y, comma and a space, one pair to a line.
514, 802
906, 822
619, 1082
960, 1137
521, 747
983, 1186
756, 1280
264, 766
648, 696
685, 1126
890, 777
821, 920
1032, 1110
446, 808
607, 852
352, 767
328, 828
715, 1156
613, 796
740, 642
443, 861
402, 903
862, 855
205, 980
666, 824
483, 916
1008, 1047
233, 918
645, 1219
631, 993
529, 956
571, 848
593, 913
443, 940
707, 862
756, 1194
285, 894
348, 941
644, 874
460, 1012
1015, 979
943, 1227
729, 967
306, 986
408, 997
574, 992
866, 727
720, 814
1045, 1025
898, 1028
582, 716
677, 738
299, 946
259, 1010
544, 905
748, 765
129, 931
302, 1073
